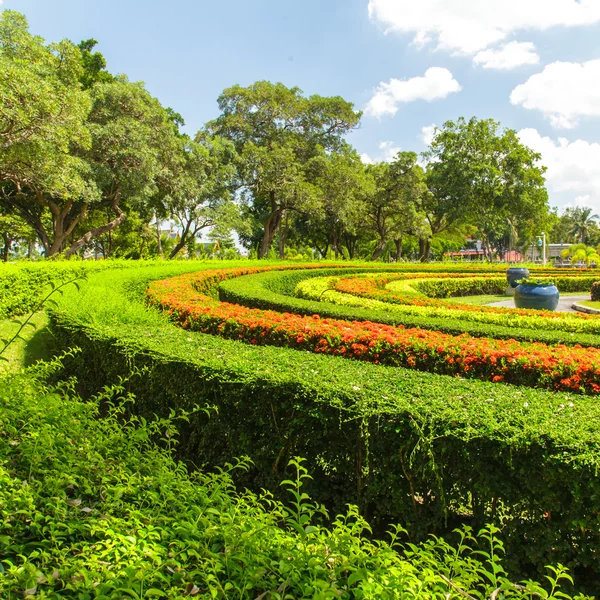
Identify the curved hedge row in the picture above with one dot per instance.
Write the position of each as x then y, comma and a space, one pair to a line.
370, 293
90, 507
275, 291
188, 298
426, 450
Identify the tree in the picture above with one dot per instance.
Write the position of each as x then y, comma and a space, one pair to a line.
276, 131
583, 223
42, 118
394, 209
68, 150
200, 191
583, 253
485, 177
341, 185
13, 229
134, 146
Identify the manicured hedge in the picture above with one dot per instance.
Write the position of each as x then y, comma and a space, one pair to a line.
274, 291
368, 293
95, 507
21, 287
189, 299
429, 451
447, 288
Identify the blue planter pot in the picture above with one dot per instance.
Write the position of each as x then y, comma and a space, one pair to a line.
540, 297
514, 274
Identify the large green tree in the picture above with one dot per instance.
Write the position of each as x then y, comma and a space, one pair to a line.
74, 139
341, 183
486, 177
394, 208
134, 146
199, 193
43, 113
276, 132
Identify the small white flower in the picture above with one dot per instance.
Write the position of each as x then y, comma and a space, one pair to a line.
571, 405
355, 387
525, 404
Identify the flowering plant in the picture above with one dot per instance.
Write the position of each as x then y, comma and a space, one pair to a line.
191, 300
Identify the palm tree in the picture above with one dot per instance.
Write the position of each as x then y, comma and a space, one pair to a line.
583, 222
581, 252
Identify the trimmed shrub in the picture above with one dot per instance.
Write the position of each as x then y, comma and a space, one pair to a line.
424, 450
91, 506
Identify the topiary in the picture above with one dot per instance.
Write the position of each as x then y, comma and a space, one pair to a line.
595, 291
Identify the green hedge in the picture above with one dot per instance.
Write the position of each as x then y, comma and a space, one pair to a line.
274, 290
92, 507
23, 284
425, 450
448, 288
21, 287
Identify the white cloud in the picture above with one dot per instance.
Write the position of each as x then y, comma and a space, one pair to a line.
509, 56
427, 133
436, 83
585, 200
468, 26
388, 151
563, 91
572, 167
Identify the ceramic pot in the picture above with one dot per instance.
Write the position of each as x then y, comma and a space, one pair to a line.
540, 297
514, 274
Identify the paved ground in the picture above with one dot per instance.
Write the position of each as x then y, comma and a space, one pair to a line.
564, 304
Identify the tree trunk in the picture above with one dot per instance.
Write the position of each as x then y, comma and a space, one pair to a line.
424, 249
84, 239
323, 253
283, 230
350, 243
335, 244
6, 250
183, 239
398, 242
378, 249
270, 227
158, 240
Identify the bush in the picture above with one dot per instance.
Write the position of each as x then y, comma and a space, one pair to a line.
424, 450
595, 291
91, 506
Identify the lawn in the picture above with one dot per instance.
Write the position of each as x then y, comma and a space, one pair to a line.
30, 347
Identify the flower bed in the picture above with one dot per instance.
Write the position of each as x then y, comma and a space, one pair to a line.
367, 292
190, 299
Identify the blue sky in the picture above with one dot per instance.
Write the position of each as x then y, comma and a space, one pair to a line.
534, 65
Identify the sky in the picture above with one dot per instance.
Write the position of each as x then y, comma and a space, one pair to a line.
409, 65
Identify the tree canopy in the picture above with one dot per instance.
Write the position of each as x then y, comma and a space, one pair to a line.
83, 151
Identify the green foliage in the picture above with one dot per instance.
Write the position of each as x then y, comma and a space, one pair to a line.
275, 290
487, 178
581, 253
277, 132
91, 502
427, 451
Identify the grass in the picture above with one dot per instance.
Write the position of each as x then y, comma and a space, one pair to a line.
590, 303
24, 351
